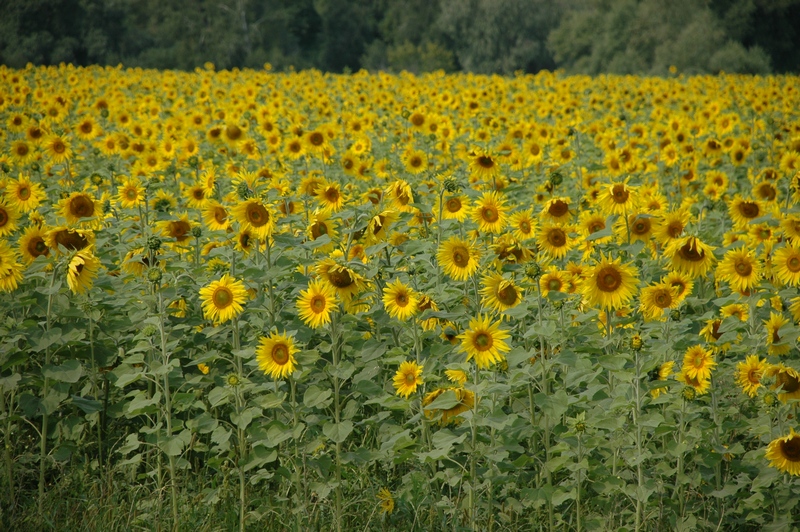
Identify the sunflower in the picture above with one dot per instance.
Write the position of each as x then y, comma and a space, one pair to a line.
662, 374
82, 270
386, 501
458, 258
32, 243
553, 280
321, 225
378, 226
773, 326
77, 206
786, 265
57, 149
509, 250
609, 284
784, 453
483, 165
415, 161
554, 240
275, 355
399, 300
656, 298
407, 378
498, 293
456, 376
255, 216
453, 207
749, 373
556, 210
698, 362
196, 196
522, 224
682, 282
484, 341
131, 194
787, 381
345, 281
24, 194
163, 201
400, 195
9, 216
490, 213
638, 228
740, 269
22, 153
743, 211
691, 256
245, 241
737, 310
700, 386
330, 197
10, 269
590, 223
464, 400
671, 226
617, 198
790, 228
215, 216
69, 239
178, 231
222, 300
315, 304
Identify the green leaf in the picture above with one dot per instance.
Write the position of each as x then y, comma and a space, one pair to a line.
338, 432
317, 397
89, 406
172, 446
219, 396
70, 371
445, 401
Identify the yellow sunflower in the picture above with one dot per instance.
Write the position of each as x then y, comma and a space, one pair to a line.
57, 149
743, 211
483, 165
485, 341
499, 293
399, 300
787, 381
400, 195
609, 284
490, 212
346, 281
456, 376
24, 194
740, 269
78, 206
691, 256
655, 299
784, 453
407, 378
10, 269
222, 300
386, 501
82, 270
662, 374
330, 197
749, 373
700, 386
32, 243
215, 216
252, 214
9, 216
59, 238
698, 362
314, 306
773, 326
522, 224
556, 210
554, 240
131, 193
617, 198
453, 207
458, 258
178, 231
275, 355
464, 400
786, 265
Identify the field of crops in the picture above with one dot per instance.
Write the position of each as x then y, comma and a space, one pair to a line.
273, 301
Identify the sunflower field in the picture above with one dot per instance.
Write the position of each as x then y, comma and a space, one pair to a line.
285, 301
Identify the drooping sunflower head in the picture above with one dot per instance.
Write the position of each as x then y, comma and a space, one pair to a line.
749, 374
784, 453
68, 239
344, 280
81, 271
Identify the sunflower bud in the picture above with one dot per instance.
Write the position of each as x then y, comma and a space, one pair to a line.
405, 114
96, 179
104, 113
5, 168
636, 342
233, 380
106, 207
558, 304
533, 270
675, 315
556, 179
34, 167
451, 185
149, 330
153, 243
154, 275
243, 191
770, 398
192, 161
197, 232
689, 393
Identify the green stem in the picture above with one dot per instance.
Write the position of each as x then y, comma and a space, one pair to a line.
473, 459
636, 412
168, 412
5, 412
298, 482
335, 347
45, 391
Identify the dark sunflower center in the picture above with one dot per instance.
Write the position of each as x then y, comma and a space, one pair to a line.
59, 147
318, 303
332, 195
401, 299
22, 150
222, 298
690, 253
641, 226
663, 299
793, 264
280, 354
341, 278
788, 384
715, 330
256, 215
525, 227
411, 379
453, 205
483, 341
220, 215
198, 194
554, 285
749, 210
416, 161
3, 217
79, 268
37, 247
490, 214
295, 147
81, 207
507, 295
791, 449
767, 191
619, 193
179, 229
233, 132
609, 279
596, 226
484, 161
316, 138
558, 209
743, 268
417, 120
71, 240
131, 194
319, 229
556, 237
535, 150
754, 376
674, 229
244, 240
460, 256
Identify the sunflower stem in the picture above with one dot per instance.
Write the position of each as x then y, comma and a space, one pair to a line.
636, 412
473, 458
298, 482
337, 418
168, 412
45, 391
677, 491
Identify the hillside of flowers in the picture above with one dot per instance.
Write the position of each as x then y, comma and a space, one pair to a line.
288, 301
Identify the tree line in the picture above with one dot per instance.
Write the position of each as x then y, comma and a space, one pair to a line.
481, 36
